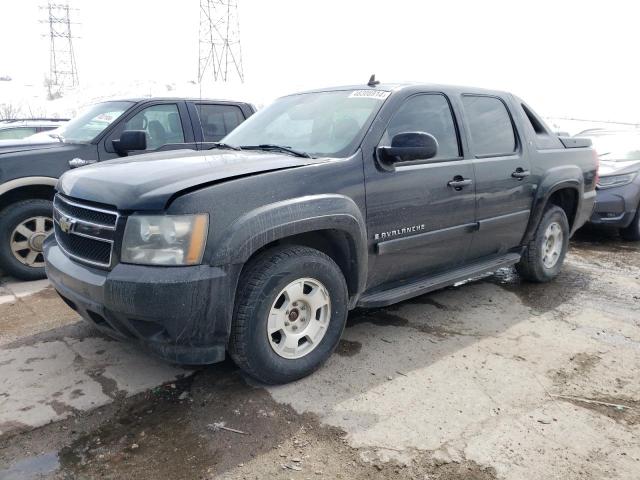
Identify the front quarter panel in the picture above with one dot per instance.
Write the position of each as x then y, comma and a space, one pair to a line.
250, 212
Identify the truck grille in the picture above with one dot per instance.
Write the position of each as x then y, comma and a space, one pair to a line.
84, 232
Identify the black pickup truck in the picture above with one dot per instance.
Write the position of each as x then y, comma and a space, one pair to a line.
322, 202
29, 170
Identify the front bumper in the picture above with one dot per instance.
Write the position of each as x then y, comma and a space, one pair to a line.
616, 206
182, 314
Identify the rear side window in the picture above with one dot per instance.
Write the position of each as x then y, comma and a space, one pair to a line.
490, 126
218, 120
429, 113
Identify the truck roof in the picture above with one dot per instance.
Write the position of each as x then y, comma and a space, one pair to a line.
175, 99
394, 87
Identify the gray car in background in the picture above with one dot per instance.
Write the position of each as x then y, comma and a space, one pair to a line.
17, 129
618, 197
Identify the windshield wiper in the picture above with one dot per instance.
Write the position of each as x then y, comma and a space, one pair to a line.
225, 146
57, 136
269, 147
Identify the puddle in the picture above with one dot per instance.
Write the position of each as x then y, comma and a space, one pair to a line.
347, 348
383, 318
380, 317
605, 248
32, 467
542, 297
169, 430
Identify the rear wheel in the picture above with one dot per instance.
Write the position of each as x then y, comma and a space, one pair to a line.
632, 232
23, 228
291, 309
545, 252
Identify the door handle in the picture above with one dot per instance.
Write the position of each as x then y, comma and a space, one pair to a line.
520, 173
79, 162
459, 182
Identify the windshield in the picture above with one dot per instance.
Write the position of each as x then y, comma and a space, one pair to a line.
321, 124
617, 148
92, 121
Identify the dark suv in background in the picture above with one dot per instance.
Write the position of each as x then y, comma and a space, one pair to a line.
104, 131
618, 197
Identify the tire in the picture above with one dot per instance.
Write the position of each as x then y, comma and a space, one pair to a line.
537, 263
261, 304
16, 221
632, 232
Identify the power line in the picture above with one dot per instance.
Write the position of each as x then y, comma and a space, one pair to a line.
63, 72
219, 51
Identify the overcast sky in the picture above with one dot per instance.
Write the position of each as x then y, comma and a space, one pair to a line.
572, 58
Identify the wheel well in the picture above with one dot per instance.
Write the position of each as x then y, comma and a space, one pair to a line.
335, 244
566, 199
28, 192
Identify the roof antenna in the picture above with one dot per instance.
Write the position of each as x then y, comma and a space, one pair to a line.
372, 81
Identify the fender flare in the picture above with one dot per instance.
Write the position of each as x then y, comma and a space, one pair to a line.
27, 182
277, 221
548, 187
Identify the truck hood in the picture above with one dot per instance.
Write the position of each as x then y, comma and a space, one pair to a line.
150, 181
13, 146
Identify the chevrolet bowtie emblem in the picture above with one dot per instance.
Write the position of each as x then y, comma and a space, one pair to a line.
66, 224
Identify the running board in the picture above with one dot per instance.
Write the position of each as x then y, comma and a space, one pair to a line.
429, 284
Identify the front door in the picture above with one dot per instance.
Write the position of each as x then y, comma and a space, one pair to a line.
504, 187
419, 222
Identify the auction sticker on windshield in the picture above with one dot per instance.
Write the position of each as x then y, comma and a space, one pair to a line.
379, 94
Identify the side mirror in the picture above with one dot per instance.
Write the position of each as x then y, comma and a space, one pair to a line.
130, 140
409, 146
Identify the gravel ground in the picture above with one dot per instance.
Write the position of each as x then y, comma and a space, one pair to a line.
493, 379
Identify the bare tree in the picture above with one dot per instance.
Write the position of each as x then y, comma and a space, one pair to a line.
53, 91
9, 110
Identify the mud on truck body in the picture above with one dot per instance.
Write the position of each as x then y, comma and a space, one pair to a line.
324, 201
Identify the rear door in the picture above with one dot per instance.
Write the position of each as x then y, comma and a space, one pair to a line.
417, 223
504, 190
213, 121
166, 125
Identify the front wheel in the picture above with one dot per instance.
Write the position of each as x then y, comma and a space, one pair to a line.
545, 252
23, 228
291, 309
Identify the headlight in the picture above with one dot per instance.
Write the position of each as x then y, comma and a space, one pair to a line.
616, 180
165, 239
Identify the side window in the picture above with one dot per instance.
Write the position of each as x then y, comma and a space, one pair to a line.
218, 120
429, 113
490, 126
160, 122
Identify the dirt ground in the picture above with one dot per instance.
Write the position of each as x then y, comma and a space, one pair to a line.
492, 379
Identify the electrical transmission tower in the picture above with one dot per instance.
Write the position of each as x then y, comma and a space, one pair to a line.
62, 62
219, 50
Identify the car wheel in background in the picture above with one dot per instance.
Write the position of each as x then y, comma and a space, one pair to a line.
23, 228
545, 252
632, 232
290, 312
